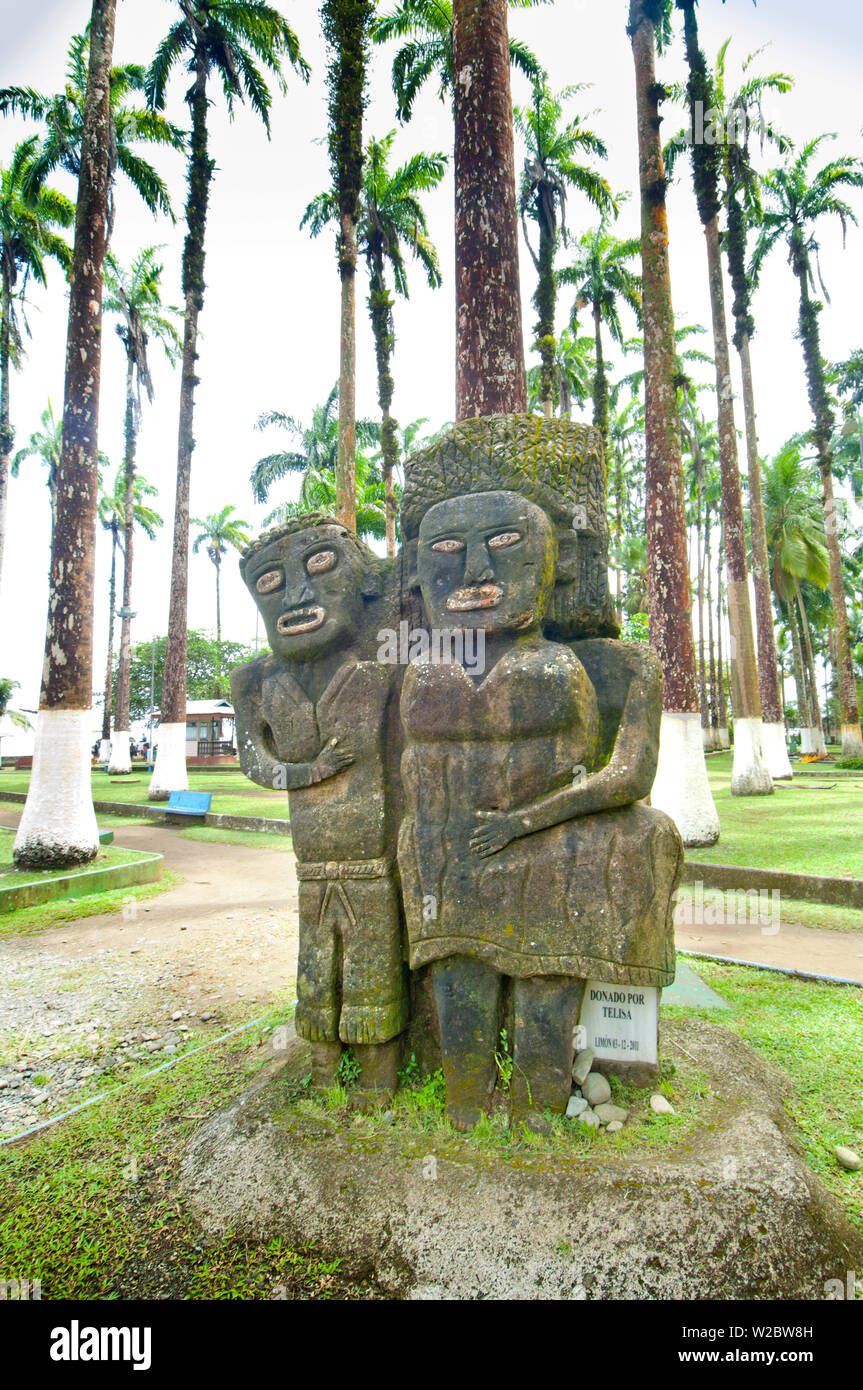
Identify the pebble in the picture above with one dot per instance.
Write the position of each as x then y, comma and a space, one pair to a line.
660, 1106
614, 1126
611, 1114
595, 1089
205, 1018
575, 1106
588, 1118
582, 1065
170, 1048
848, 1158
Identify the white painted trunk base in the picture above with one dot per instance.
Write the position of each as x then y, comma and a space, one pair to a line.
749, 773
776, 751
812, 741
120, 758
104, 750
169, 773
852, 742
58, 825
681, 788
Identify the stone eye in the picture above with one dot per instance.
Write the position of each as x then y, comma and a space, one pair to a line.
321, 561
448, 547
503, 539
269, 581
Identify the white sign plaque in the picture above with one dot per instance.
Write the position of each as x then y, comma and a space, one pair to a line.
621, 1022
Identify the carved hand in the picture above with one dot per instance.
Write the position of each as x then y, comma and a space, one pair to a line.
495, 830
331, 760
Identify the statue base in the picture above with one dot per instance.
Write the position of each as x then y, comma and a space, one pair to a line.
729, 1211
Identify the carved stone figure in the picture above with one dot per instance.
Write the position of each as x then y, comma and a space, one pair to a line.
527, 863
317, 717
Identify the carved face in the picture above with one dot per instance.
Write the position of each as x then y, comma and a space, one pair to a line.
309, 589
486, 560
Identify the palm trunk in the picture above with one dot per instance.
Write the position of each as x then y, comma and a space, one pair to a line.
775, 750
750, 776
721, 702
104, 751
121, 761
218, 564
600, 381
773, 728
714, 741
681, 787
58, 825
818, 743
544, 303
7, 436
702, 673
490, 376
380, 311
852, 739
169, 773
804, 716
346, 465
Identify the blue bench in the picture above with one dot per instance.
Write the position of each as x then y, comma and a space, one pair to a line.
186, 804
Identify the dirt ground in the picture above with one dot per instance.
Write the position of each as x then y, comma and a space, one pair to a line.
86, 1001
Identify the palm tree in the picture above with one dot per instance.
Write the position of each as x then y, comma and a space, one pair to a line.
750, 775
552, 165
27, 240
135, 297
112, 514
346, 26
225, 39
47, 445
391, 218
218, 531
602, 279
796, 539
428, 27
319, 495
58, 824
798, 198
573, 376
681, 787
743, 205
317, 454
63, 117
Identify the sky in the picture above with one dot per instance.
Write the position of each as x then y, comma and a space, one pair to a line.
270, 323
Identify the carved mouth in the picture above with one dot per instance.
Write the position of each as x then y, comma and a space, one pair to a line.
467, 600
299, 620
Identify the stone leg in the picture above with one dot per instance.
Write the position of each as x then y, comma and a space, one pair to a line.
545, 1013
467, 996
379, 1068
326, 1057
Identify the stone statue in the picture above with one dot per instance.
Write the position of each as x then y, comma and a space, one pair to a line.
528, 864
318, 717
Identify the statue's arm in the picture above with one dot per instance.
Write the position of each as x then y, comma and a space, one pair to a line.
627, 777
254, 741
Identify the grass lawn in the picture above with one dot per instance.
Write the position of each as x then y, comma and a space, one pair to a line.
232, 792
10, 876
800, 828
27, 921
91, 1208
256, 839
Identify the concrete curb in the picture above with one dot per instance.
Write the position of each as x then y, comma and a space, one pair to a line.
832, 892
220, 820
82, 883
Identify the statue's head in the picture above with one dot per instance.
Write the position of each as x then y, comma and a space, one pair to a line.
553, 466
486, 561
310, 579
